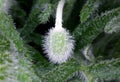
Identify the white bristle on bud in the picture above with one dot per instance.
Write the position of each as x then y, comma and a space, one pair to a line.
58, 43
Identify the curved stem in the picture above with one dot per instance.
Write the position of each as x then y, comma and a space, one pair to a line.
58, 23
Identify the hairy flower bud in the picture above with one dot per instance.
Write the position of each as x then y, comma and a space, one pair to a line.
58, 45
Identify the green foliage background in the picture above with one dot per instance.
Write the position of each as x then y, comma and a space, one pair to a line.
23, 28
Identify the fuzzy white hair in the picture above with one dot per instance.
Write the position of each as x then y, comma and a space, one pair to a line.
67, 49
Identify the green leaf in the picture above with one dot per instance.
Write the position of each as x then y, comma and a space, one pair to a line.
1, 4
86, 32
45, 13
75, 79
4, 58
4, 44
113, 25
88, 9
9, 31
61, 73
19, 56
108, 69
36, 16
